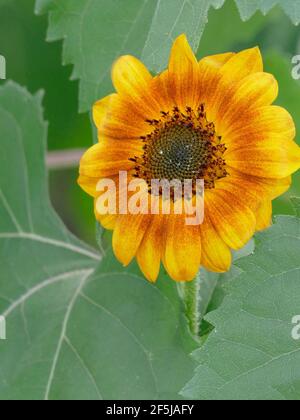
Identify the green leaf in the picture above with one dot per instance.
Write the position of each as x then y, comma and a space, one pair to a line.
106, 30
219, 27
77, 323
251, 353
211, 293
248, 8
96, 32
171, 18
43, 6
4, 2
205, 293
296, 204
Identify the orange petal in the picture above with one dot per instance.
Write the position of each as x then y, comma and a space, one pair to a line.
150, 251
262, 187
266, 160
281, 186
184, 74
182, 256
242, 64
245, 190
108, 221
264, 215
128, 235
216, 255
267, 120
232, 219
116, 118
132, 80
163, 89
209, 74
124, 122
89, 185
232, 72
254, 91
130, 76
106, 159
101, 110
214, 62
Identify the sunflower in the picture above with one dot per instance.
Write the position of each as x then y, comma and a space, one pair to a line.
211, 119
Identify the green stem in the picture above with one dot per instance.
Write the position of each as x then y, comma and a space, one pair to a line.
64, 159
190, 293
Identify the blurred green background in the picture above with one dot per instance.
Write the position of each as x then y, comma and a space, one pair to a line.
36, 64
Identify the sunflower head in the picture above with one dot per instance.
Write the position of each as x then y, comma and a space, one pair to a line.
182, 145
211, 120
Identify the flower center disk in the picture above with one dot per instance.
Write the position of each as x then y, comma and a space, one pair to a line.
182, 146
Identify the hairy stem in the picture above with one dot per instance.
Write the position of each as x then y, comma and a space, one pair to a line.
190, 293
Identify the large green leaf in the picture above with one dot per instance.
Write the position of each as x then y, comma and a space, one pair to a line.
251, 353
107, 29
77, 326
96, 32
218, 35
296, 203
2, 2
209, 290
247, 8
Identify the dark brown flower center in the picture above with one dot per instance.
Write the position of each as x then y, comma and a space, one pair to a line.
182, 146
177, 153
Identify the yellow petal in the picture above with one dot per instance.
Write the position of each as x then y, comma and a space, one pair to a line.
241, 65
262, 121
265, 160
128, 235
262, 187
271, 124
133, 81
264, 215
216, 255
214, 62
163, 89
229, 75
88, 184
233, 220
282, 186
209, 74
108, 221
116, 119
150, 251
254, 91
130, 76
106, 159
182, 255
245, 190
123, 122
101, 110
184, 74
